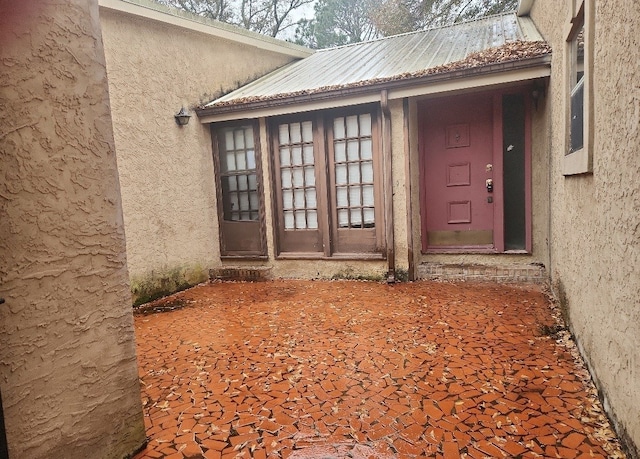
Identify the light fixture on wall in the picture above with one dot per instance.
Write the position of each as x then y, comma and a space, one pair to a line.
538, 92
182, 117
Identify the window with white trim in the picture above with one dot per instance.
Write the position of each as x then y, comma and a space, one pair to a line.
578, 54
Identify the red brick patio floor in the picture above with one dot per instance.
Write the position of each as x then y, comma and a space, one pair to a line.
337, 369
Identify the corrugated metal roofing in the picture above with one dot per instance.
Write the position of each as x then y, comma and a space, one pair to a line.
387, 57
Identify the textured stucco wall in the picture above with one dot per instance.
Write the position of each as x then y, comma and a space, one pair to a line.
166, 171
595, 239
68, 373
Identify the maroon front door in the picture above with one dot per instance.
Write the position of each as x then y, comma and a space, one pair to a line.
456, 147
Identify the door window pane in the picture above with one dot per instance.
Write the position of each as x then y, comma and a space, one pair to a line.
297, 175
238, 174
355, 203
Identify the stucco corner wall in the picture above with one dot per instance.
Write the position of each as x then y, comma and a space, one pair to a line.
68, 374
595, 218
166, 171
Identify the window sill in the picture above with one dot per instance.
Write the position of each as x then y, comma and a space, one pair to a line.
577, 163
244, 257
473, 251
335, 257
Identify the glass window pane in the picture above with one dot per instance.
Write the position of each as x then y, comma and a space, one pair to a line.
241, 161
354, 196
244, 201
229, 183
308, 154
307, 131
253, 182
296, 156
286, 178
283, 134
343, 218
248, 138
285, 159
296, 135
228, 140
369, 217
253, 200
251, 160
288, 220
341, 174
366, 149
298, 177
309, 176
287, 199
352, 126
228, 162
352, 150
298, 199
301, 220
310, 194
340, 152
365, 125
356, 217
354, 173
338, 128
239, 139
312, 219
243, 182
367, 172
341, 197
234, 201
367, 195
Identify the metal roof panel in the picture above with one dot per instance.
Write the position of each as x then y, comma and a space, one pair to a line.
388, 57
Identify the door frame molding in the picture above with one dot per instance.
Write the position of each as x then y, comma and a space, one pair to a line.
498, 169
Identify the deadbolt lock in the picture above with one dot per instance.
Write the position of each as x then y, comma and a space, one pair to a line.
489, 184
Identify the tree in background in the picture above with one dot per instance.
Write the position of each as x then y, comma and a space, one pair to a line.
399, 16
220, 10
268, 17
338, 22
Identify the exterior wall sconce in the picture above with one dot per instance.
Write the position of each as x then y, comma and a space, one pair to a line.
182, 117
538, 92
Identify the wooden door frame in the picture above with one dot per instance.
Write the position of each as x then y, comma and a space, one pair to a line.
4, 448
498, 171
231, 254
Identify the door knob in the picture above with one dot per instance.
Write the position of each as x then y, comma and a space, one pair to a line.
489, 184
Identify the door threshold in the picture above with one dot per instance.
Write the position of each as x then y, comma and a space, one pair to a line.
464, 249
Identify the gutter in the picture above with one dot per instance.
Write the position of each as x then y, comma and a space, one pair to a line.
387, 169
362, 88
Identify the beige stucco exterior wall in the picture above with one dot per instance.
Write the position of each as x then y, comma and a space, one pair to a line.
68, 374
156, 66
595, 218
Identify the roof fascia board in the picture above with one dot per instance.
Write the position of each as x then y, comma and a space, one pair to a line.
524, 7
289, 108
202, 25
472, 83
501, 73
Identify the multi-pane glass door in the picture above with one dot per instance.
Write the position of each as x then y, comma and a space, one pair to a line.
239, 192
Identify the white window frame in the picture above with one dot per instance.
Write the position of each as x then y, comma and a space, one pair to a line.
582, 16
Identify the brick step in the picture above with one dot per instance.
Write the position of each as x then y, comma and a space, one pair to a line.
533, 273
241, 273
